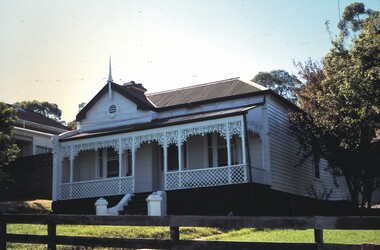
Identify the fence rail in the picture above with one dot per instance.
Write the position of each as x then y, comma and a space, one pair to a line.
318, 223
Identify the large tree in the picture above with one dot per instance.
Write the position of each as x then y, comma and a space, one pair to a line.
8, 150
280, 81
47, 109
341, 103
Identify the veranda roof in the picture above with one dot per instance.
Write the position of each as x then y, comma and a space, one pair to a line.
163, 122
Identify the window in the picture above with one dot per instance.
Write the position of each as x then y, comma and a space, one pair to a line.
217, 150
108, 164
42, 150
100, 163
112, 163
222, 152
172, 157
129, 163
210, 151
173, 161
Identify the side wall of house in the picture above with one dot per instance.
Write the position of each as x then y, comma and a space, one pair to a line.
285, 175
258, 153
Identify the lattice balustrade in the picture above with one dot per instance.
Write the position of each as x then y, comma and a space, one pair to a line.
96, 188
206, 177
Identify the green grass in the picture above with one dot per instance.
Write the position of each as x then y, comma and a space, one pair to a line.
301, 236
186, 233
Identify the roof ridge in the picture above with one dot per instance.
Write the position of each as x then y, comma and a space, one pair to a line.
192, 86
254, 84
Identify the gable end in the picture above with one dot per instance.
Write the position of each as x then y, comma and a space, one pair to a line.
141, 102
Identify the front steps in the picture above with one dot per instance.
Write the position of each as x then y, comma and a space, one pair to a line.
137, 205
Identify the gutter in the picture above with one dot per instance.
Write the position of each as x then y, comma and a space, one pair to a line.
24, 123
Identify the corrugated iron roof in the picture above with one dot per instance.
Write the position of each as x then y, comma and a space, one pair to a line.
204, 92
30, 116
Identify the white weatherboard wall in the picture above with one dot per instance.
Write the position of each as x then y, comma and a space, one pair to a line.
143, 169
84, 166
196, 152
283, 154
65, 170
32, 139
256, 157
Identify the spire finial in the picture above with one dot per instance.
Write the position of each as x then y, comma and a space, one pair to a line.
110, 72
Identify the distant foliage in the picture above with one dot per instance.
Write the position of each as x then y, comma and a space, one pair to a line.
47, 109
8, 149
280, 81
340, 102
72, 125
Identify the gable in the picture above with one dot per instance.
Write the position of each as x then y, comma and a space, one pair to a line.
111, 110
132, 94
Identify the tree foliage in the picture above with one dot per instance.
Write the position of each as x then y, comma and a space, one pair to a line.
8, 150
280, 81
47, 109
341, 104
72, 125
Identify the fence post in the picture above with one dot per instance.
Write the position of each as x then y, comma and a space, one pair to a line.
318, 235
368, 246
174, 233
52, 232
3, 235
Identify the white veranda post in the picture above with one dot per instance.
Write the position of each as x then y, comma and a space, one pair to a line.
228, 152
243, 149
165, 148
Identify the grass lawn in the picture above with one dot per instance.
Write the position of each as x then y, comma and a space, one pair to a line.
302, 236
107, 232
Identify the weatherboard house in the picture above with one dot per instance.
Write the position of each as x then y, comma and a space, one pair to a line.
218, 148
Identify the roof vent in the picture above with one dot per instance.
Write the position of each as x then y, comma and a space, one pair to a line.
112, 110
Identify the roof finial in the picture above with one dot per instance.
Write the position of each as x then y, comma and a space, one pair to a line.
110, 72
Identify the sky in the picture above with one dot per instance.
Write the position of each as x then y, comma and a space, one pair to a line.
58, 51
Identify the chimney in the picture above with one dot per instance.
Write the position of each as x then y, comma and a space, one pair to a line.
135, 86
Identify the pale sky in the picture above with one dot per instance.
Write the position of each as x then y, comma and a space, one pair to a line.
57, 51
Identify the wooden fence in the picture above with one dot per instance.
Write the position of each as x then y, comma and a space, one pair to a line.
318, 223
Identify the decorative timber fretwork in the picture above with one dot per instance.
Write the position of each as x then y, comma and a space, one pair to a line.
164, 137
159, 137
171, 137
73, 150
126, 143
255, 128
218, 128
235, 128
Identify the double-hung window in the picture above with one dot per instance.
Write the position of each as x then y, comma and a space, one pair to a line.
108, 164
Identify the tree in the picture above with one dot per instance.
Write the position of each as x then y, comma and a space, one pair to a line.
340, 104
47, 109
8, 150
72, 125
280, 81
